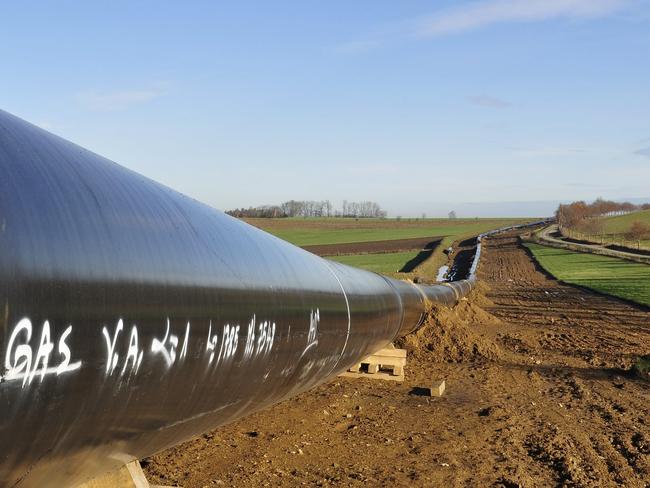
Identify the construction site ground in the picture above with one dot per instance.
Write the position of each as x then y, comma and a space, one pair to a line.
538, 394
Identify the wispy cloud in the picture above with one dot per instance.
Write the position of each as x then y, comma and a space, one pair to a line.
476, 14
643, 152
120, 100
488, 101
479, 14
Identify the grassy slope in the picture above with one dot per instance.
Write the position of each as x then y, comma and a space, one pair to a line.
615, 228
621, 223
612, 276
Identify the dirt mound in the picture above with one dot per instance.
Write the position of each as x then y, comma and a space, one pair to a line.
479, 297
452, 335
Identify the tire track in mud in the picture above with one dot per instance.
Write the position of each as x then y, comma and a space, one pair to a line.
590, 341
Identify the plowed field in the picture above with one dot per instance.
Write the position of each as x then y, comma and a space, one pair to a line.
385, 246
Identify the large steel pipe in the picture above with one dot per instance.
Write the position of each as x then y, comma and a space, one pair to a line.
133, 317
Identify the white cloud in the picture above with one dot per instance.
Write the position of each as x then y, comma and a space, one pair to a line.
488, 101
475, 15
120, 100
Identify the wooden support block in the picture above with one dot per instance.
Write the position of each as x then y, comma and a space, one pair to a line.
129, 476
437, 388
381, 375
391, 353
387, 363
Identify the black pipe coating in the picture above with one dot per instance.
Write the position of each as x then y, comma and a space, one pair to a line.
133, 317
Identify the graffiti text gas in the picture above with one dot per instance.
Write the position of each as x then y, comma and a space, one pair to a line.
23, 362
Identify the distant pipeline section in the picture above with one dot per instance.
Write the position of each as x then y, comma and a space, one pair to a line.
468, 266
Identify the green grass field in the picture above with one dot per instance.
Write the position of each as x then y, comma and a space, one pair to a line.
305, 232
617, 277
312, 231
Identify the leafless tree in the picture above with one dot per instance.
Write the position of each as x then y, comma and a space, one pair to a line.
638, 231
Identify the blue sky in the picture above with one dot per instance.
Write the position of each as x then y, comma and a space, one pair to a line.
420, 106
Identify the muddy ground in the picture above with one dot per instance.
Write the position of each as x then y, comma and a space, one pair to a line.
538, 394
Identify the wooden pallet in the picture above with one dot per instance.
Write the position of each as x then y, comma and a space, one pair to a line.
385, 364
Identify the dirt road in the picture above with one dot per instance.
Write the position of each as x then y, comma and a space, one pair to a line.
537, 395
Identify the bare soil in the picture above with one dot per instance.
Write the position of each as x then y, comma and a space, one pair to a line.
538, 394
383, 246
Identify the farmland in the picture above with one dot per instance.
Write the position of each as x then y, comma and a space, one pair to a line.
612, 276
331, 231
304, 232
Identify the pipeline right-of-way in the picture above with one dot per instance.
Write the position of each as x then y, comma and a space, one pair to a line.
133, 317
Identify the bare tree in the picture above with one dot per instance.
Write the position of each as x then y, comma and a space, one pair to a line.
638, 231
313, 208
452, 215
573, 216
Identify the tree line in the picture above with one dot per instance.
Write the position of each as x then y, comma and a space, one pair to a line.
587, 219
312, 208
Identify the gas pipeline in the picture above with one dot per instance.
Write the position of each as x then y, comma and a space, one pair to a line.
133, 317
